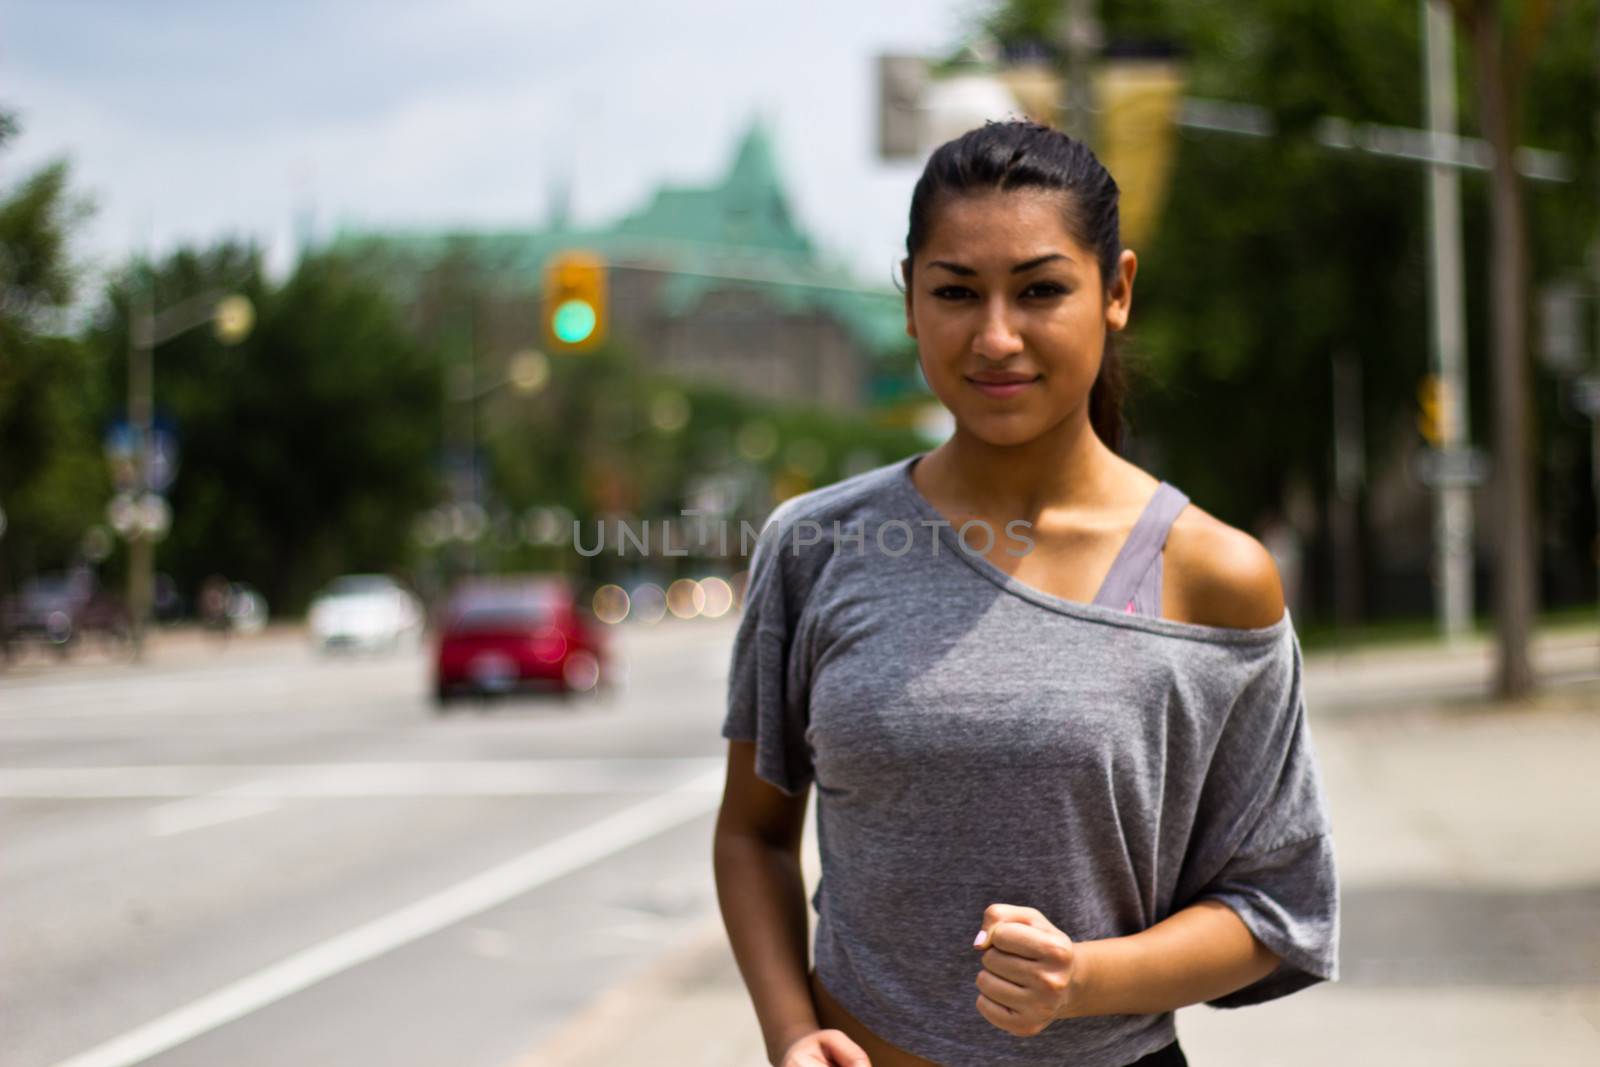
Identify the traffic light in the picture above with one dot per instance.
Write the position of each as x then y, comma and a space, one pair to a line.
574, 311
1431, 412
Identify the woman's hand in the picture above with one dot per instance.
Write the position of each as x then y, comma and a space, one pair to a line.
824, 1048
1030, 973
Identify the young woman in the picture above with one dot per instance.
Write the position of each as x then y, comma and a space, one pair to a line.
1065, 781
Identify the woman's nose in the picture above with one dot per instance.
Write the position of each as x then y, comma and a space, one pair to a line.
997, 337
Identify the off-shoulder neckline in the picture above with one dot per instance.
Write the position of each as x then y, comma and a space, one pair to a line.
1188, 631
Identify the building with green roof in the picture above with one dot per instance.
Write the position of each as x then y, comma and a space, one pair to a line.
716, 283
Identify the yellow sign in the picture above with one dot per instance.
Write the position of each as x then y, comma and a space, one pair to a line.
1138, 101
1433, 410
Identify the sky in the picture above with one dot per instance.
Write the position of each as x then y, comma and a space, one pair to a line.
187, 121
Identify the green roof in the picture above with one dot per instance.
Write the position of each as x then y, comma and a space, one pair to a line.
738, 228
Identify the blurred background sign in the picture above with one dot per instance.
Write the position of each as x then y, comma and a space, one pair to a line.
122, 454
1439, 468
1138, 100
136, 515
962, 100
1433, 410
1561, 329
902, 81
1586, 399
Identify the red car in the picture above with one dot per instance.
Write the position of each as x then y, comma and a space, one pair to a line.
498, 635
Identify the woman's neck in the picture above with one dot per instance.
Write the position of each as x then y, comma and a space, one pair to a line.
1068, 469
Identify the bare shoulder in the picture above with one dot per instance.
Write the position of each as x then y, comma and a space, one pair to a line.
1218, 575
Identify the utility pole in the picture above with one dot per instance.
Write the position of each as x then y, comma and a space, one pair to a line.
1081, 43
232, 317
1594, 409
1453, 525
141, 544
466, 395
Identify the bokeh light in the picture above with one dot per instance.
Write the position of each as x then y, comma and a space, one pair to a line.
685, 598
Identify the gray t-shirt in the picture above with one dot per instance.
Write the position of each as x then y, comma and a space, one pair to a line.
975, 740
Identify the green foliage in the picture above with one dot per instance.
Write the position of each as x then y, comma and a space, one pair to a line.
306, 450
1561, 102
1260, 273
53, 483
52, 478
1275, 254
1022, 22
36, 223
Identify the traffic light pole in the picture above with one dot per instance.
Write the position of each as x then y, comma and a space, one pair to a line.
1081, 44
148, 328
1594, 411
141, 547
1453, 525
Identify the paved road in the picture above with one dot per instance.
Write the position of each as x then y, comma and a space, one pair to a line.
262, 857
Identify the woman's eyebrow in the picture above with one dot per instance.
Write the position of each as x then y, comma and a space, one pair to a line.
965, 271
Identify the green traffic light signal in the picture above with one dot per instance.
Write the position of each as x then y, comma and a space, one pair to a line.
574, 301
574, 321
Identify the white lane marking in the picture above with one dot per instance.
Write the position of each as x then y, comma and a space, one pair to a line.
305, 781
196, 813
477, 894
121, 696
160, 707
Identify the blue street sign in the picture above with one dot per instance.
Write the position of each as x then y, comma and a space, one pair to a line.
162, 464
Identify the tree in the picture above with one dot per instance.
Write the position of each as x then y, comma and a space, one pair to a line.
1500, 73
53, 484
308, 449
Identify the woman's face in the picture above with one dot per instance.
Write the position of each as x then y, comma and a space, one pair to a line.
1002, 293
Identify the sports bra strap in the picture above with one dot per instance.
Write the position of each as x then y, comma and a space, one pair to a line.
1134, 582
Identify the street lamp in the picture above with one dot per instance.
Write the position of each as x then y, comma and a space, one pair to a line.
527, 374
144, 520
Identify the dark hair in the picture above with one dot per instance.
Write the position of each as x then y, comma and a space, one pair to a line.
1002, 156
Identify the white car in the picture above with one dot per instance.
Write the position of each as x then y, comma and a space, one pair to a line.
370, 612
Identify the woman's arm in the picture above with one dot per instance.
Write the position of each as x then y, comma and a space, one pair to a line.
761, 891
1200, 953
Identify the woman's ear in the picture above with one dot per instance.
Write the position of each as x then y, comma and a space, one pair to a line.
1119, 293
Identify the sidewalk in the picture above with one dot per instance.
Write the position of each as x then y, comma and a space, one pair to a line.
1468, 842
165, 646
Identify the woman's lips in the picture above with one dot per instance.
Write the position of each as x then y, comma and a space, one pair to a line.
1002, 390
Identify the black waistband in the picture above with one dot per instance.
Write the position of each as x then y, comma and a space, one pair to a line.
1171, 1056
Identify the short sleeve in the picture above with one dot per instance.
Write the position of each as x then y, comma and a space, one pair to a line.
767, 684
1265, 847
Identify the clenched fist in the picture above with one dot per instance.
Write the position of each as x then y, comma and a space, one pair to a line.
825, 1048
1029, 976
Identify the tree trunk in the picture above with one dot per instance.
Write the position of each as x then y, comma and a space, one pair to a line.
1515, 563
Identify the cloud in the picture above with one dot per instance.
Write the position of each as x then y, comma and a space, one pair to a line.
194, 120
